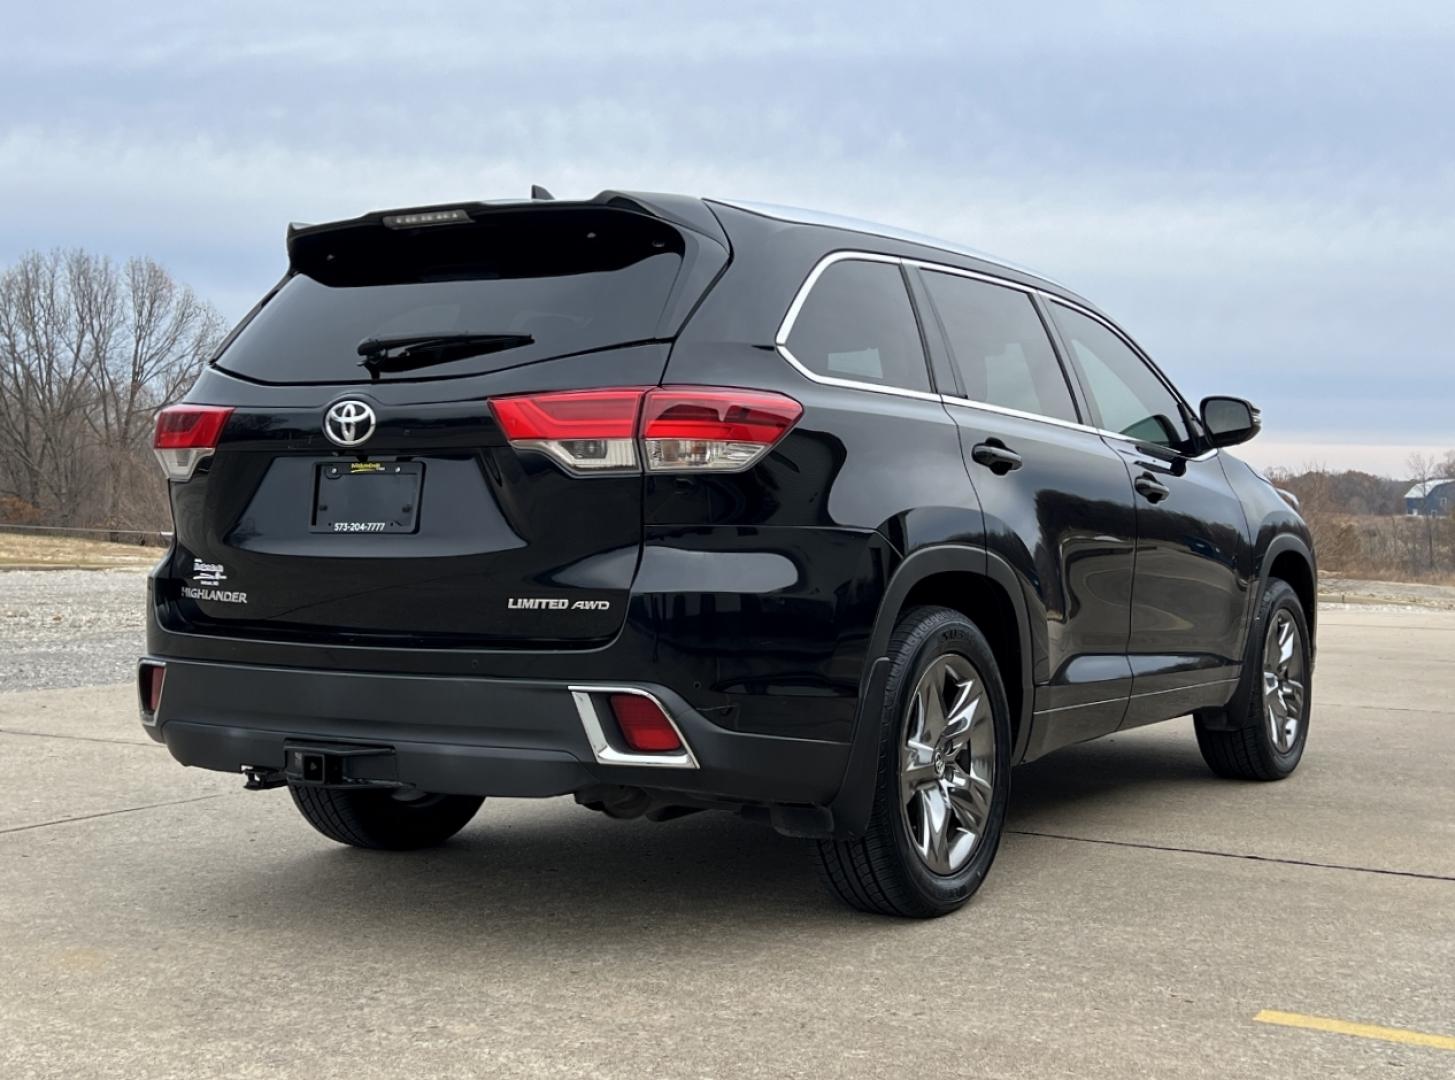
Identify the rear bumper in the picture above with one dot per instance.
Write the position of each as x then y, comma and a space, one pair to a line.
475, 736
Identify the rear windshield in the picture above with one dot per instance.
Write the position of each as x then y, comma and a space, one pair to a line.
574, 279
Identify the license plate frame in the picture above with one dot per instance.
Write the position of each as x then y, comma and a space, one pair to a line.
366, 498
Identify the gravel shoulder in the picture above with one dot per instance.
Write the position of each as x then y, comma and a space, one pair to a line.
1355, 591
66, 628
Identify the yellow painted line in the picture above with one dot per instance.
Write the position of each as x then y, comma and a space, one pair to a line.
1363, 1031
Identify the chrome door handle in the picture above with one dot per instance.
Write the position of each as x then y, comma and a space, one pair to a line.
1150, 489
996, 457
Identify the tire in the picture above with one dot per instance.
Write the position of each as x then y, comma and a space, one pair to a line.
891, 869
384, 820
1255, 743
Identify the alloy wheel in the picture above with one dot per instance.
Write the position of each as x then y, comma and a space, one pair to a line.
947, 764
1283, 681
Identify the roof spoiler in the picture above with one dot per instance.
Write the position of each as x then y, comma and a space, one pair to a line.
682, 211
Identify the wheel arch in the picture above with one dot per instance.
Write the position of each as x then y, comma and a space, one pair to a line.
984, 588
1290, 560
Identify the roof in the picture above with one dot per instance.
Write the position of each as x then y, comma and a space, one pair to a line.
1427, 488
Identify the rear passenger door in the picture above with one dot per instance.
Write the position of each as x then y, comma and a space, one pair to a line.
1057, 500
1193, 558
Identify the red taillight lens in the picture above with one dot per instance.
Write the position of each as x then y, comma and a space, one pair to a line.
150, 678
682, 428
584, 430
686, 429
643, 724
186, 434
189, 427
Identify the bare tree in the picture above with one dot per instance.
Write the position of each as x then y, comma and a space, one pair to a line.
1425, 468
45, 385
152, 335
88, 351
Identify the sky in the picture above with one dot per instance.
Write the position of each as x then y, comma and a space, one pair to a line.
1263, 194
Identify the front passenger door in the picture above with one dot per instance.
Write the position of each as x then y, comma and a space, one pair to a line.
1193, 561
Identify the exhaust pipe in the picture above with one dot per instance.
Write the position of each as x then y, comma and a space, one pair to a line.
622, 803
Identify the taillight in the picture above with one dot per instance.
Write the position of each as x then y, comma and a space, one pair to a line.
585, 430
643, 724
681, 428
687, 429
185, 435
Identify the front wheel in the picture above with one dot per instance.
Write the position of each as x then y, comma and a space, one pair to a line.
1269, 737
383, 819
944, 775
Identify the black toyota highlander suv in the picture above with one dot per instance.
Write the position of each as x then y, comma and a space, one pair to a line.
671, 504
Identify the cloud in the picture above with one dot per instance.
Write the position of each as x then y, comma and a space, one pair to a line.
1265, 200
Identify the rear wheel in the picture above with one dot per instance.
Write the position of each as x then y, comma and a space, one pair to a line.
944, 775
1268, 739
383, 819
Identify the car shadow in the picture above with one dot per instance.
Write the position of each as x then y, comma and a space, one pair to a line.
561, 876
1132, 771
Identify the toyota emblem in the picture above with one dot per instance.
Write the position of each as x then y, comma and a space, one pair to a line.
348, 423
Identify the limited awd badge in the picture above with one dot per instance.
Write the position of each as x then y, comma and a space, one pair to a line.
554, 603
348, 422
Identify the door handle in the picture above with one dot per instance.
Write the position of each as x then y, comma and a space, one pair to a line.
996, 456
1149, 488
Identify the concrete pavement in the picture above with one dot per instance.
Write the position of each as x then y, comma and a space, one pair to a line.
160, 922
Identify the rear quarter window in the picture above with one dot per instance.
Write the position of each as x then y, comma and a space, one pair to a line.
857, 324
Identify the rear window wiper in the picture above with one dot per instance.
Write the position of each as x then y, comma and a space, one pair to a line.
409, 351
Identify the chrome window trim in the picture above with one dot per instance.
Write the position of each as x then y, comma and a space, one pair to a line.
1052, 298
800, 297
785, 328
985, 406
601, 748
780, 342
1021, 414
940, 268
1127, 339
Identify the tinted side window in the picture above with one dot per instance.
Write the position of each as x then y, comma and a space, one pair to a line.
857, 324
1126, 394
1000, 347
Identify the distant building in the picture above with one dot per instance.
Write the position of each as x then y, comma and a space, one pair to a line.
1433, 498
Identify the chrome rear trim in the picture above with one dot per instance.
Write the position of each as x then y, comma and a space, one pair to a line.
601, 748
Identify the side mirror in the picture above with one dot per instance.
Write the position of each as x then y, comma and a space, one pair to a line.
1229, 421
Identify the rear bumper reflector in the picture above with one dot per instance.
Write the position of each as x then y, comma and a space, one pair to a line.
150, 678
642, 728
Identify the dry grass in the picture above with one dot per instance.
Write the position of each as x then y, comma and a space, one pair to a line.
31, 551
1389, 548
